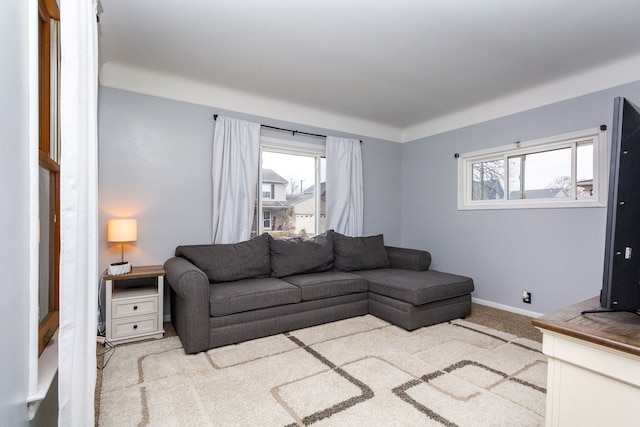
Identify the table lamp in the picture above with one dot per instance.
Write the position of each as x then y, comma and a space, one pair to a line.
121, 231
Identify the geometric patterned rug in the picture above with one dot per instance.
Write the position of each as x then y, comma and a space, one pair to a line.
361, 371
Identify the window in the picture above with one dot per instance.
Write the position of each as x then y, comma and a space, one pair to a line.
556, 172
49, 170
268, 191
266, 220
292, 189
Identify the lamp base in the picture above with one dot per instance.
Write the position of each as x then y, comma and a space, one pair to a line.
118, 268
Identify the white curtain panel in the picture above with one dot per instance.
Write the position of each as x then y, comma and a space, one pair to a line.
234, 170
78, 213
345, 205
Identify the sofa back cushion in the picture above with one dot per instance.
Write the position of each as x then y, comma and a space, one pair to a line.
299, 255
228, 262
359, 253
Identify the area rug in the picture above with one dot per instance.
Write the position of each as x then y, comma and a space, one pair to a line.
357, 372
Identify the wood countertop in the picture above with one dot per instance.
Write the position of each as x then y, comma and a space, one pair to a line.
138, 273
615, 330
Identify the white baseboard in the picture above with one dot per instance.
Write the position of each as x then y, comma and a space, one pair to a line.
506, 308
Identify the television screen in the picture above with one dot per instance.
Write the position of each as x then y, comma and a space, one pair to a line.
621, 279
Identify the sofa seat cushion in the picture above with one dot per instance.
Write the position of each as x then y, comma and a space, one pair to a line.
250, 294
328, 284
417, 287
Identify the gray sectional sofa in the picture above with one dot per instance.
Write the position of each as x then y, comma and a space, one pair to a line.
227, 293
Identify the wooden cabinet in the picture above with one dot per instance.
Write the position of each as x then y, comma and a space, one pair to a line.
594, 366
134, 303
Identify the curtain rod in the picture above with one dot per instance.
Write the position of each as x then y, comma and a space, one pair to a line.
293, 132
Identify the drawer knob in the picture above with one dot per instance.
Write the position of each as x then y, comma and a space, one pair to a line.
135, 326
135, 307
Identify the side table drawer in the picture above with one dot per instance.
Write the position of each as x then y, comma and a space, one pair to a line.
137, 307
127, 327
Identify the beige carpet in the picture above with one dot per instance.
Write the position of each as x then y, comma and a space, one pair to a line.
356, 372
505, 321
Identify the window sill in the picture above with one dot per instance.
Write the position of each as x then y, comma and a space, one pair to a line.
47, 369
532, 204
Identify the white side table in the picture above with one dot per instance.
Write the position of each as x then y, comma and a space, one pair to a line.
134, 313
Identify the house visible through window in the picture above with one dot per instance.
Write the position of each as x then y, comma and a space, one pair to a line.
292, 195
562, 171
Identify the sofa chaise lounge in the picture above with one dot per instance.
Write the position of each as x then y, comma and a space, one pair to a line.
228, 293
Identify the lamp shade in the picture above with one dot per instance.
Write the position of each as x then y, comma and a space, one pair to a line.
122, 230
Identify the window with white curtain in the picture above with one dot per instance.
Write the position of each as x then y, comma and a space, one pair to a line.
291, 200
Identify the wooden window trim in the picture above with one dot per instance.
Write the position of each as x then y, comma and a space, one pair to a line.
45, 83
48, 11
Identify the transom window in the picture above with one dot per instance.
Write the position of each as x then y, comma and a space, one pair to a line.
561, 171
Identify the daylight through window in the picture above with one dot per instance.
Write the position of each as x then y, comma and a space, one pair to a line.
562, 171
292, 189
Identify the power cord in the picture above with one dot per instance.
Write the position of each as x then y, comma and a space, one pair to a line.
102, 332
101, 324
110, 351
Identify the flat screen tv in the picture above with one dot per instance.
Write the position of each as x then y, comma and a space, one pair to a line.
621, 278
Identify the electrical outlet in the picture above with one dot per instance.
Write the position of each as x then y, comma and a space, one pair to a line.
526, 297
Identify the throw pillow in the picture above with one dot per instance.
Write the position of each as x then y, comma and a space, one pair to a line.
359, 253
299, 255
228, 262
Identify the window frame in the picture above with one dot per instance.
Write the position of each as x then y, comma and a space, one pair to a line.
284, 146
596, 136
49, 152
44, 95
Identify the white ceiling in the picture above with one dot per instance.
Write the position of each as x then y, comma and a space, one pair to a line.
397, 70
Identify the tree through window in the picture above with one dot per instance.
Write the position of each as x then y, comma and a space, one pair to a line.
562, 171
292, 190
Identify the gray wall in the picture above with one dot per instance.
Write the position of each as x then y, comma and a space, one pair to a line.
14, 192
155, 165
557, 254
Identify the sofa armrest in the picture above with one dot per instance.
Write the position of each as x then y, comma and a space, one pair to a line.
190, 303
184, 277
408, 259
